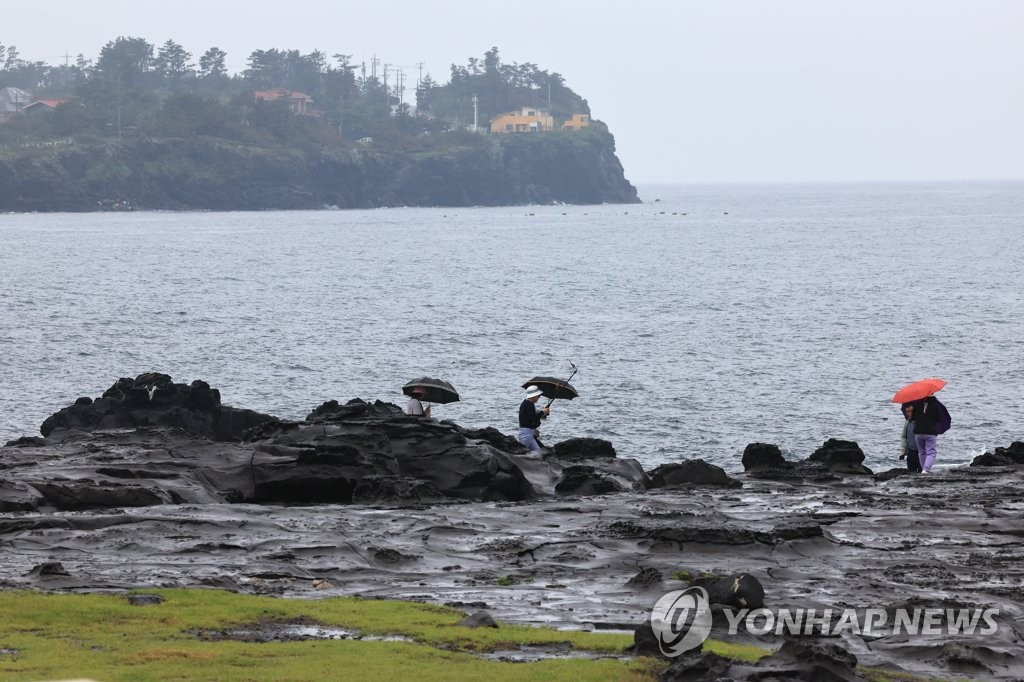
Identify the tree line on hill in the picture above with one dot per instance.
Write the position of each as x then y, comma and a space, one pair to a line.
136, 88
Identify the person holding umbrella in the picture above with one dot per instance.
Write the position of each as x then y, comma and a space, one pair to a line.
428, 390
415, 407
908, 444
530, 417
929, 416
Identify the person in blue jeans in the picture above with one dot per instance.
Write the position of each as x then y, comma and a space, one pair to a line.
530, 418
908, 445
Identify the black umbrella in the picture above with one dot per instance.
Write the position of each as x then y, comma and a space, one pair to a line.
553, 388
433, 390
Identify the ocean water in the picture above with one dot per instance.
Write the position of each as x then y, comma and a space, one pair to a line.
705, 319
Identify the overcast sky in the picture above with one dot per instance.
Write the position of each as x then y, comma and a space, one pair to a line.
712, 91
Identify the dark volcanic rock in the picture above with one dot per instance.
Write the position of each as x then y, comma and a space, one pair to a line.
645, 642
809, 660
841, 456
694, 471
1009, 456
332, 411
586, 480
583, 448
505, 443
890, 474
646, 579
741, 590
698, 667
336, 455
827, 463
395, 489
86, 494
17, 496
762, 456
480, 619
48, 568
152, 399
171, 441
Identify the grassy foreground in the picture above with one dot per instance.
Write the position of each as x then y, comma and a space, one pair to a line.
62, 636
53, 636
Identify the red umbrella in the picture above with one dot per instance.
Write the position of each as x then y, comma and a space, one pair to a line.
917, 390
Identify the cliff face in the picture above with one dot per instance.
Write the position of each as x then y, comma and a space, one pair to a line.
210, 174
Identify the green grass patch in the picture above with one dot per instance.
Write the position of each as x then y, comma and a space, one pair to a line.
56, 636
746, 653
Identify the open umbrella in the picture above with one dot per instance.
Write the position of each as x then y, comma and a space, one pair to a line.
553, 388
433, 390
917, 390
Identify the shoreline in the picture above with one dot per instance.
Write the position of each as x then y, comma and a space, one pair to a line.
131, 490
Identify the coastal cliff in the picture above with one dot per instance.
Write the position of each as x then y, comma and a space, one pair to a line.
197, 173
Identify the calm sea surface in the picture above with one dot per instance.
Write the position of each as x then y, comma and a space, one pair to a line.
703, 320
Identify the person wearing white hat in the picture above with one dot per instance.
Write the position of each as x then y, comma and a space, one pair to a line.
530, 417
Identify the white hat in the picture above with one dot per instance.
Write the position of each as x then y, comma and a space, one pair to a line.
532, 391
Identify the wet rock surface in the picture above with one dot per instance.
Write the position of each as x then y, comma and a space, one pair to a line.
1009, 456
149, 441
834, 459
360, 500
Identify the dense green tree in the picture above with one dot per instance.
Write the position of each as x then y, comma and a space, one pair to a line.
125, 60
185, 115
173, 63
130, 91
211, 64
499, 88
72, 118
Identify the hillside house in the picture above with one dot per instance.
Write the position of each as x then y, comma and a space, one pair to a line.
42, 105
12, 100
526, 120
299, 103
577, 122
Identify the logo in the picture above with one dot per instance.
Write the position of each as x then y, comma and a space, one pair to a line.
681, 620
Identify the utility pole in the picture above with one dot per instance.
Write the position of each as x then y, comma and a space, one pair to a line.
419, 79
346, 69
386, 66
373, 66
475, 110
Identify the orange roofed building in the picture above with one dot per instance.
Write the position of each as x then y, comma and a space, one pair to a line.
576, 122
298, 102
526, 120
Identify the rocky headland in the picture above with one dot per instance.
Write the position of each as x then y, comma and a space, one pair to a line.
156, 483
219, 175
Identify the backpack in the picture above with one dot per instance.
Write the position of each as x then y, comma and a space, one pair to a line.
943, 421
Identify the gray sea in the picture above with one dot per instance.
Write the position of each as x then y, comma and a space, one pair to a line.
705, 319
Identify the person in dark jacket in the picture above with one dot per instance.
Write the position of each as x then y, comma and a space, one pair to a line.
926, 415
908, 445
530, 418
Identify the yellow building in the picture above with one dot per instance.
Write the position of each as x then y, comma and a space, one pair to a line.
526, 120
576, 122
